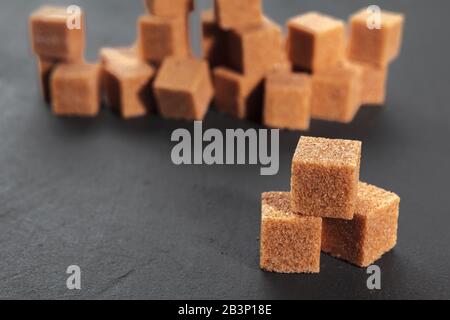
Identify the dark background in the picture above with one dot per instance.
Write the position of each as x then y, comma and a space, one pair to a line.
104, 195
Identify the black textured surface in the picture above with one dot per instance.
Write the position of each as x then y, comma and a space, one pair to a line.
103, 193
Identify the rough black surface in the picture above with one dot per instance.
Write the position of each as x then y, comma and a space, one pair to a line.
104, 195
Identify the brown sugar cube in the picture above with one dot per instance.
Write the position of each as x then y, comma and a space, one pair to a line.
337, 93
371, 233
126, 81
290, 243
214, 41
316, 41
161, 37
325, 175
238, 95
75, 90
45, 69
287, 100
374, 82
255, 50
172, 8
232, 14
375, 46
52, 38
183, 88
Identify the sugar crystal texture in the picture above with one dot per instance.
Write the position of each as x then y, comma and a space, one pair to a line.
290, 243
371, 233
325, 175
232, 14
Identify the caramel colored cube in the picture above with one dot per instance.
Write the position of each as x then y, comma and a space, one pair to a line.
337, 93
126, 81
372, 45
290, 243
51, 36
45, 69
238, 95
325, 175
214, 41
183, 88
316, 41
255, 50
371, 233
233, 14
161, 37
374, 83
287, 100
75, 90
170, 8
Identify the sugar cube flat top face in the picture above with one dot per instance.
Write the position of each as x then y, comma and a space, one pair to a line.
290, 243
288, 79
170, 8
50, 13
237, 13
180, 73
371, 199
278, 205
208, 16
124, 62
343, 70
315, 22
332, 152
238, 84
77, 70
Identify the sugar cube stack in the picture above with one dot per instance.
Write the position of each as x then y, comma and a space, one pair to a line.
242, 45
53, 42
183, 86
327, 204
374, 47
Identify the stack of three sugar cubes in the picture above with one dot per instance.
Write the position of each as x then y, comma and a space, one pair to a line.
328, 209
